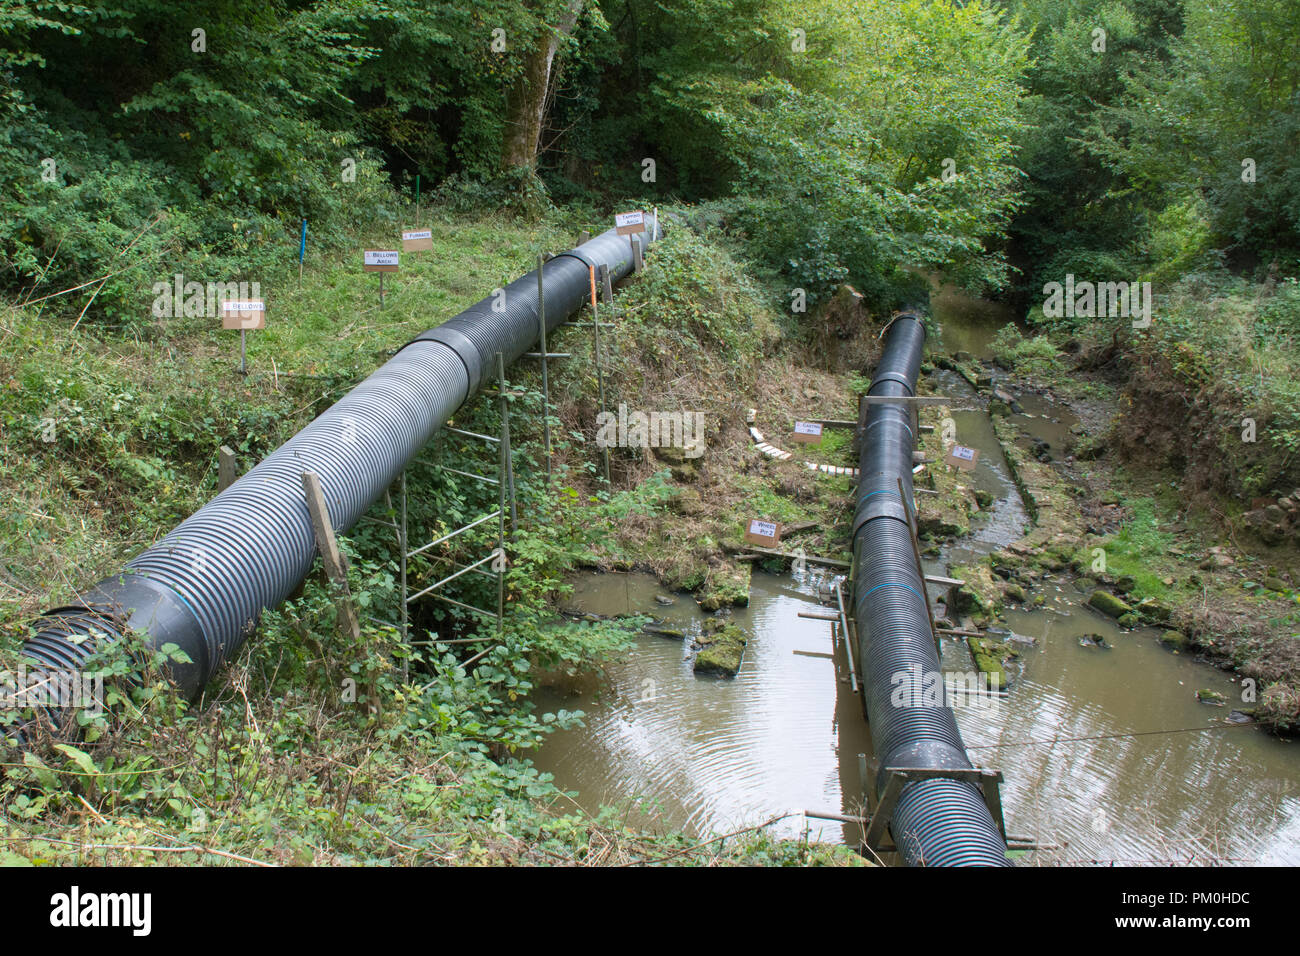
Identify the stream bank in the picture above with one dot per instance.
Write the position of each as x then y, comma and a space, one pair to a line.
1108, 734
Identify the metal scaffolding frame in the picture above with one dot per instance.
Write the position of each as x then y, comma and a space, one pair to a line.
505, 484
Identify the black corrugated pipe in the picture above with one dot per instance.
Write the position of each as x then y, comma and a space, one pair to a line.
936, 822
204, 585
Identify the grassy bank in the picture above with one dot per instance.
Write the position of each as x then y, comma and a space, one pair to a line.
306, 749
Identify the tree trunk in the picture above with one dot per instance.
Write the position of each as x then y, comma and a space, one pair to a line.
526, 105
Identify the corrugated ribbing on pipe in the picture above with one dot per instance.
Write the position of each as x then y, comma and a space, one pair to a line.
204, 585
935, 822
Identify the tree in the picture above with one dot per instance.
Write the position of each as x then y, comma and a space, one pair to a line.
526, 103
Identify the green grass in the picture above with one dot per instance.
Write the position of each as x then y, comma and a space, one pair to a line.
1140, 550
276, 764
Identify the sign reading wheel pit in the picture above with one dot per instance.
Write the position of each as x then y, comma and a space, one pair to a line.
765, 534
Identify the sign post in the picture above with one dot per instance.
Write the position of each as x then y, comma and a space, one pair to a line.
766, 534
417, 240
302, 251
243, 314
627, 223
807, 433
381, 261
959, 456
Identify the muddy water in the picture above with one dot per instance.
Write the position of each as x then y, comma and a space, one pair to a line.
673, 750
1132, 792
967, 324
676, 751
1005, 519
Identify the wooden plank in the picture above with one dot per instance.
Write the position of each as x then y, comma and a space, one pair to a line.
335, 564
606, 286
884, 809
920, 567
227, 468
833, 422
799, 526
828, 815
950, 582
774, 553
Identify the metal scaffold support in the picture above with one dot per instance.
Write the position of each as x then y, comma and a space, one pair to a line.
505, 484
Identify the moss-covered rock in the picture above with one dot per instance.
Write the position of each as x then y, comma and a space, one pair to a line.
665, 632
687, 501
1153, 612
1174, 640
1212, 697
726, 586
988, 656
1109, 604
683, 468
722, 648
979, 594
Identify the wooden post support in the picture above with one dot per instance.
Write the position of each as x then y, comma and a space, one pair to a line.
920, 567
504, 403
600, 369
584, 236
335, 563
638, 260
607, 287
546, 382
404, 547
227, 469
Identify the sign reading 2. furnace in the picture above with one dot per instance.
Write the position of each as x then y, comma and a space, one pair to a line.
240, 314
763, 533
417, 240
807, 433
627, 223
376, 260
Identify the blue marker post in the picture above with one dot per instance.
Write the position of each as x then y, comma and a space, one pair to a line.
302, 251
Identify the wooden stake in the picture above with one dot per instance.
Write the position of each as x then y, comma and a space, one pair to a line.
920, 568
331, 557
546, 382
227, 468
607, 287
600, 371
638, 262
504, 402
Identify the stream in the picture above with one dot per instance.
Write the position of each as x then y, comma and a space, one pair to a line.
1145, 784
